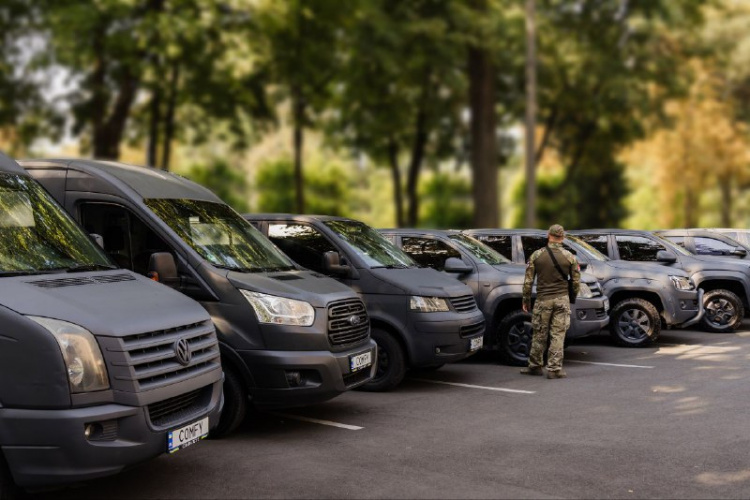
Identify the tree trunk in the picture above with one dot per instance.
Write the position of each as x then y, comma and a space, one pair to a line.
396, 175
725, 186
530, 113
689, 207
108, 136
483, 140
298, 105
415, 165
169, 128
153, 132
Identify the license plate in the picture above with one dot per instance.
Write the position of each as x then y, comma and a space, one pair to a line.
476, 343
359, 361
606, 305
186, 436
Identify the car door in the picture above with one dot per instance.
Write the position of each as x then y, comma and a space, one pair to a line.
638, 248
706, 245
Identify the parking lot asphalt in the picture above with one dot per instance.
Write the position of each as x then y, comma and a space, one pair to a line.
667, 421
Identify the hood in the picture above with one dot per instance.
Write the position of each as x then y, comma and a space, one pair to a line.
422, 281
317, 289
113, 303
640, 270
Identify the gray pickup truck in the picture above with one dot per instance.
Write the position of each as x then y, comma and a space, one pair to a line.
498, 287
725, 281
100, 368
643, 296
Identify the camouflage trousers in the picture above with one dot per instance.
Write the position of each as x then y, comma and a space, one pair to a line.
550, 320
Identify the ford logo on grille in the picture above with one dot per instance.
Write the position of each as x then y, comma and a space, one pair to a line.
354, 320
182, 352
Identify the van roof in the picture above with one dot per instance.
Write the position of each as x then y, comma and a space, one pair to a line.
146, 182
8, 164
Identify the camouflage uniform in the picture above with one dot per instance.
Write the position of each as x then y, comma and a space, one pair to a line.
551, 314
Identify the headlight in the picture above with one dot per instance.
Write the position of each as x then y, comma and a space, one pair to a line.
83, 358
428, 304
280, 310
584, 291
682, 283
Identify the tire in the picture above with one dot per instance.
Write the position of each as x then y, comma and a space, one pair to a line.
724, 311
514, 335
8, 489
634, 323
391, 363
235, 405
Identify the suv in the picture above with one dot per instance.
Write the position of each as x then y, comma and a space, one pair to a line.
498, 288
643, 295
420, 317
100, 368
705, 242
726, 282
289, 337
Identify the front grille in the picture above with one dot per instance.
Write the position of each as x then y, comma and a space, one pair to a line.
348, 322
601, 313
596, 289
471, 330
465, 303
78, 281
150, 360
178, 408
351, 379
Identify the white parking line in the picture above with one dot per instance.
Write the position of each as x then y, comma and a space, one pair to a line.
498, 389
606, 364
317, 421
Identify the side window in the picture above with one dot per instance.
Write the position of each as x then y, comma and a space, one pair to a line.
531, 244
304, 244
428, 252
127, 239
637, 248
711, 246
502, 244
677, 240
597, 241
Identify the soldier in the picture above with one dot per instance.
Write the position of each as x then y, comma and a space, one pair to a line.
551, 316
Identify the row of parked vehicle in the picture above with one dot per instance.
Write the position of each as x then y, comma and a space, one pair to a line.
102, 367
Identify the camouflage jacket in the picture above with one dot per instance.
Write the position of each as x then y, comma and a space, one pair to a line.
549, 282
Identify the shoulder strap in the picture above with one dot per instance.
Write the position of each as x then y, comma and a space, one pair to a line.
557, 266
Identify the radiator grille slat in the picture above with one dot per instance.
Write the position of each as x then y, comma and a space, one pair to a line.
464, 303
348, 322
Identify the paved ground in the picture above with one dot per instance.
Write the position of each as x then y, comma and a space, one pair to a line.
662, 422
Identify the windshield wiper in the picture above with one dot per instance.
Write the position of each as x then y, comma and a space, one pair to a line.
88, 267
392, 266
8, 274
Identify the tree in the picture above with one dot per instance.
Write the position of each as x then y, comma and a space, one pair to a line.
226, 182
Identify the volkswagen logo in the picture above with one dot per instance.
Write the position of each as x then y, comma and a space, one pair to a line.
182, 352
354, 320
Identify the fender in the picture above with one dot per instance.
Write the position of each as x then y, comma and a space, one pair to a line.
711, 275
496, 297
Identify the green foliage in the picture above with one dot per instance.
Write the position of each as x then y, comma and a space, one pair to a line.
326, 188
227, 182
447, 202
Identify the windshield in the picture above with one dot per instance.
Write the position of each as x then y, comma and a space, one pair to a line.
37, 236
586, 249
673, 246
479, 250
370, 245
220, 235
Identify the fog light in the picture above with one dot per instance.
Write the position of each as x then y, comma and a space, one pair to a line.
437, 350
294, 379
582, 314
683, 305
88, 430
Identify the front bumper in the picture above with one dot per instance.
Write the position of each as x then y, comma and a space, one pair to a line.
47, 447
323, 375
688, 317
588, 317
439, 338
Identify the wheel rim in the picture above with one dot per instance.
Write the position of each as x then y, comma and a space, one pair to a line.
634, 325
720, 312
519, 339
384, 363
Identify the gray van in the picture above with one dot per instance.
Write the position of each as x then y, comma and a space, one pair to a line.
100, 368
644, 296
288, 337
498, 288
420, 318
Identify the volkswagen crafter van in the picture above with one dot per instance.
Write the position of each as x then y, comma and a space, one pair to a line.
288, 337
100, 368
421, 318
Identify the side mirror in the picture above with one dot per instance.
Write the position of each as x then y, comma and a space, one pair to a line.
163, 268
739, 252
332, 264
666, 257
98, 239
454, 265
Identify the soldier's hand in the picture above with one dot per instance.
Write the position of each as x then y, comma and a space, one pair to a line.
525, 308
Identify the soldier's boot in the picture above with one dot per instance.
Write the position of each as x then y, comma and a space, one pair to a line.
556, 374
532, 371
